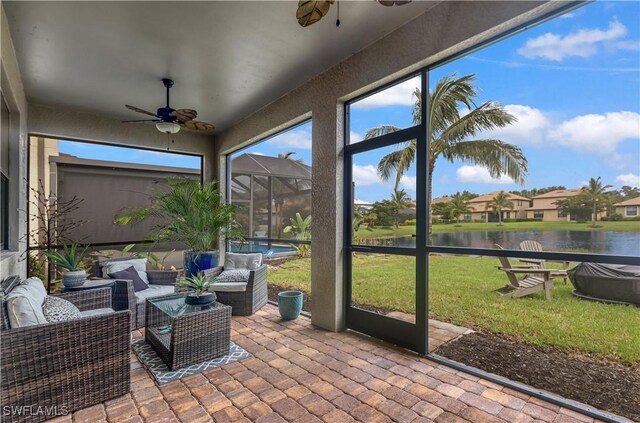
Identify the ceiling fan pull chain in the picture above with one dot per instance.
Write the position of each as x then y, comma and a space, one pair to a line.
338, 20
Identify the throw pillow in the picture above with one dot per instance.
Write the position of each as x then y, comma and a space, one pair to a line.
236, 275
24, 303
242, 261
56, 309
130, 274
117, 265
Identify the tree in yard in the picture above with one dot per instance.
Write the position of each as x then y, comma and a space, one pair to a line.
301, 230
576, 206
289, 156
630, 192
384, 212
455, 137
401, 200
50, 228
458, 206
499, 203
595, 194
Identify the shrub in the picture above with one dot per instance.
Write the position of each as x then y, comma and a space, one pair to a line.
411, 222
615, 217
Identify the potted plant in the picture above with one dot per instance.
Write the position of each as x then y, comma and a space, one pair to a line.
200, 288
160, 272
71, 260
192, 214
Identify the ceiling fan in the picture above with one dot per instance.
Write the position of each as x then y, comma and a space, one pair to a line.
169, 120
311, 11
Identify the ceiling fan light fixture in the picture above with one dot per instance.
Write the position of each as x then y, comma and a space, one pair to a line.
168, 127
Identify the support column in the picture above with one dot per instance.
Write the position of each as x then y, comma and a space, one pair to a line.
327, 282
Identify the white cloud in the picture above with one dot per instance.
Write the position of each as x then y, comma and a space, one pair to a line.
292, 139
355, 137
479, 174
529, 128
597, 133
408, 182
365, 175
583, 43
629, 179
398, 95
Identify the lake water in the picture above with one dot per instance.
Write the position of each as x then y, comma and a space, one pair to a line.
597, 242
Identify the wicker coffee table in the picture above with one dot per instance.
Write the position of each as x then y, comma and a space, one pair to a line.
184, 334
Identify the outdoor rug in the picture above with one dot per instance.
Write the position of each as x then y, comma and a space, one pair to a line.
163, 374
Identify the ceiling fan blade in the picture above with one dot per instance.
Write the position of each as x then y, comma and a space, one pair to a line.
184, 115
196, 125
311, 11
139, 110
142, 120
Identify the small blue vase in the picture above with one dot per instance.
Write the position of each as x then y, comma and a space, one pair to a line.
290, 304
195, 262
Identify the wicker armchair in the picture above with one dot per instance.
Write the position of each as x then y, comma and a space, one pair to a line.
58, 368
124, 296
245, 303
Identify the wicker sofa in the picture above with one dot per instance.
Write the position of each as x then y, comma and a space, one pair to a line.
57, 368
125, 298
246, 300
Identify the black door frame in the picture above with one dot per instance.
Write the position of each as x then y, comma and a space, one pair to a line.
413, 336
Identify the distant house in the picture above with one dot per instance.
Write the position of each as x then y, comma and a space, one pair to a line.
544, 205
480, 209
628, 208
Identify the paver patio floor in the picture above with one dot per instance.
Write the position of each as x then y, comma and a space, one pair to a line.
301, 374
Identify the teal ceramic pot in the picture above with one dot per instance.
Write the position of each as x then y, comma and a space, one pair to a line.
290, 304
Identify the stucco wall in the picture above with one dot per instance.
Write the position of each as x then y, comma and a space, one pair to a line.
442, 31
13, 92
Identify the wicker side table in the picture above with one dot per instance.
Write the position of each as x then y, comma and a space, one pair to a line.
183, 334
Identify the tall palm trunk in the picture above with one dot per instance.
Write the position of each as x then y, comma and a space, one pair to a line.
593, 215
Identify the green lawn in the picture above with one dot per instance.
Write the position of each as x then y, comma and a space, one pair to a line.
515, 226
460, 292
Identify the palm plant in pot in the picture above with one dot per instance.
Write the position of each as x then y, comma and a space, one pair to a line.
201, 289
191, 214
71, 260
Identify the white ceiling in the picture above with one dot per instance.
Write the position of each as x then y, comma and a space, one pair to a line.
228, 59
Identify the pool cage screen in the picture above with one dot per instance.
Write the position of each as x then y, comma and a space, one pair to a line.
268, 192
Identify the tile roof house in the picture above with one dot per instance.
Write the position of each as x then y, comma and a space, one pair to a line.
482, 211
628, 208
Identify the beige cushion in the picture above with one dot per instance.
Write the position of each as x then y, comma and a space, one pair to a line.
116, 266
230, 286
249, 261
24, 304
154, 291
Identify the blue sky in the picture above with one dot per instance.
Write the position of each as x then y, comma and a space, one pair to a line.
572, 82
128, 155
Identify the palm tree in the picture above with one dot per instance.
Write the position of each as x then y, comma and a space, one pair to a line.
458, 206
289, 156
595, 194
401, 201
500, 202
453, 136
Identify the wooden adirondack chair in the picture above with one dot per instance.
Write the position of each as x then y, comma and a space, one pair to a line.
533, 280
530, 245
